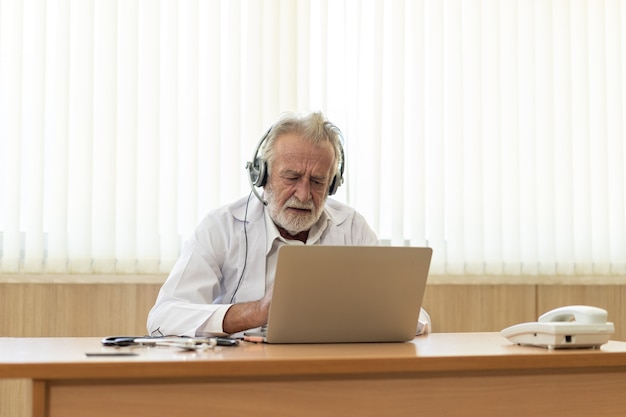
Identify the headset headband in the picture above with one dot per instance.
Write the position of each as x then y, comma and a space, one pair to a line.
257, 168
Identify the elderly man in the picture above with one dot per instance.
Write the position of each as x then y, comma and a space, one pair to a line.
222, 282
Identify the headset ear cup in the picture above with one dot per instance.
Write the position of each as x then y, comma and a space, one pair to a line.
336, 183
253, 173
333, 186
257, 168
261, 170
338, 178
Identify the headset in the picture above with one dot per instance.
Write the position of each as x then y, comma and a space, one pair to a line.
257, 168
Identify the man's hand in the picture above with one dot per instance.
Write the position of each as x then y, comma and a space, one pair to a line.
248, 315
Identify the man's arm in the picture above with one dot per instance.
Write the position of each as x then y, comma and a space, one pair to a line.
247, 315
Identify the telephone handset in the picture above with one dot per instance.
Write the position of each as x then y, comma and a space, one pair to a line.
576, 326
579, 314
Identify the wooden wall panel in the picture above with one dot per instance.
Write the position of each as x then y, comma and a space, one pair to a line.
478, 308
49, 309
41, 310
15, 397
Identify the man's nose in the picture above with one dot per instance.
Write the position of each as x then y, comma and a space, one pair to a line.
303, 190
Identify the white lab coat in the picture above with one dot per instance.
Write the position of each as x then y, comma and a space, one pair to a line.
206, 274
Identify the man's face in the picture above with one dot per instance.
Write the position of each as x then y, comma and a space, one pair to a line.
298, 183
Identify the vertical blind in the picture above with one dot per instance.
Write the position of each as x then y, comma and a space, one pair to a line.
490, 130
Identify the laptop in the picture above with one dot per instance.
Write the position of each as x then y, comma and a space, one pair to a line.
344, 294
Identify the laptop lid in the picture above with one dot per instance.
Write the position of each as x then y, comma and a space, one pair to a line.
340, 294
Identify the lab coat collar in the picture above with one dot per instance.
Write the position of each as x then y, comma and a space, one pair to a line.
251, 204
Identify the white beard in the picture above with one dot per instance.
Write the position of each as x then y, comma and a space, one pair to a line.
292, 223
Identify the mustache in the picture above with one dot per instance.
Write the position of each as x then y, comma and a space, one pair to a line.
293, 202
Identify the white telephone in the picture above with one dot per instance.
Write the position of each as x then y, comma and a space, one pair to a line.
574, 326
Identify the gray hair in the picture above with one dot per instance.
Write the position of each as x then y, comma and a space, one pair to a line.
314, 128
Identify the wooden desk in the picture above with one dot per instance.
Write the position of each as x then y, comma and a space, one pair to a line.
468, 374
